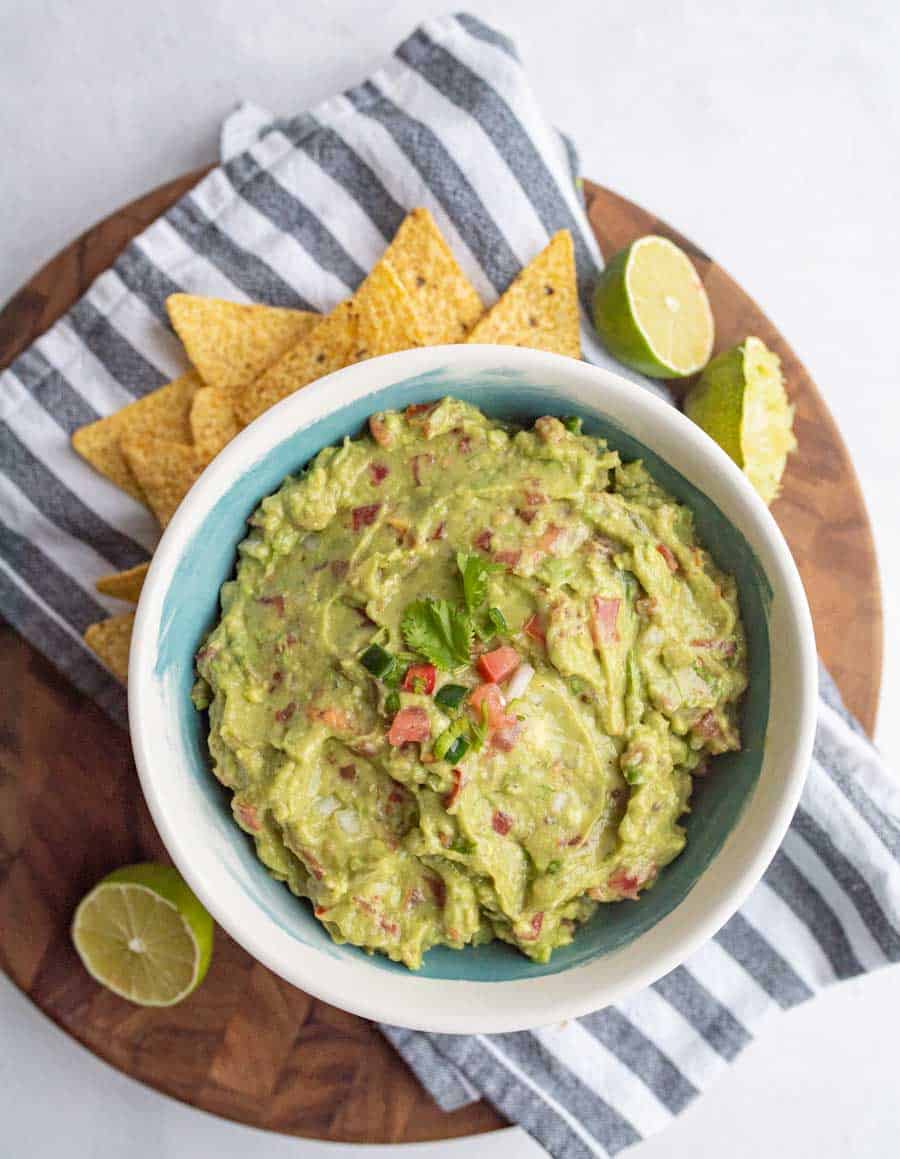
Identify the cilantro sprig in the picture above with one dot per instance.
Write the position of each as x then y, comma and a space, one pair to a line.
439, 631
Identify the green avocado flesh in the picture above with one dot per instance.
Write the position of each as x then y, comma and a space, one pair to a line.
564, 796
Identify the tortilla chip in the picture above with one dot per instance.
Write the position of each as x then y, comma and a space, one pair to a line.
446, 302
540, 308
165, 470
213, 421
110, 640
164, 413
378, 319
123, 585
230, 343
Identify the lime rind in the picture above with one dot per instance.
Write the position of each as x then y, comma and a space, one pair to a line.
740, 401
652, 288
151, 903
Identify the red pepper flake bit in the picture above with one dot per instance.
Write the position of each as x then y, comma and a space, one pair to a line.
379, 473
535, 629
312, 864
397, 794
525, 515
501, 822
320, 910
347, 772
415, 409
276, 602
535, 498
465, 445
438, 532
283, 715
364, 905
389, 927
507, 558
483, 540
365, 516
605, 620
575, 841
666, 553
458, 781
645, 606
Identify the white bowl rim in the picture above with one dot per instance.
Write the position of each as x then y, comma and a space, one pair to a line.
460, 1007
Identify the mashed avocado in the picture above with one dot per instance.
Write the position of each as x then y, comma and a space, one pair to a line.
463, 678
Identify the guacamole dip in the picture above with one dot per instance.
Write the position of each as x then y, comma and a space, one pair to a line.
463, 679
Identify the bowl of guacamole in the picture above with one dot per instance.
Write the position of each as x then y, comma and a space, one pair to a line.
472, 688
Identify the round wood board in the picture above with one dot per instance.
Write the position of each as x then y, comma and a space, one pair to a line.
247, 1045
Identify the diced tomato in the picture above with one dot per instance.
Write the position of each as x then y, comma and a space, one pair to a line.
505, 738
419, 408
549, 539
276, 602
501, 822
498, 665
454, 792
525, 515
380, 431
604, 617
666, 553
707, 726
247, 815
535, 629
645, 606
424, 673
483, 540
283, 715
534, 928
438, 890
410, 724
379, 472
490, 695
465, 445
347, 772
365, 516
438, 532
507, 558
627, 882
397, 794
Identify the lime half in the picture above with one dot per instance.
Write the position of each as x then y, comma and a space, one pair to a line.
652, 312
740, 401
143, 934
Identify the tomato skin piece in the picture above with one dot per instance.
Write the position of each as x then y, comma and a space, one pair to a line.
497, 666
668, 556
410, 724
501, 822
427, 673
365, 516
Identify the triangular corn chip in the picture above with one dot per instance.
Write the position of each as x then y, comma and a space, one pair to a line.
123, 585
446, 303
213, 421
111, 640
163, 413
165, 470
540, 308
230, 343
378, 319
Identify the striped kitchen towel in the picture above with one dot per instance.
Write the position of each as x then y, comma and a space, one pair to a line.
295, 215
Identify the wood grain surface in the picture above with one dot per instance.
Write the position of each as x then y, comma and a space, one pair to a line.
246, 1045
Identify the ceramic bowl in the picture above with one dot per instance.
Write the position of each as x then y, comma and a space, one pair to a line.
739, 814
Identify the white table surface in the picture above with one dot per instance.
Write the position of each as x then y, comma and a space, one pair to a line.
767, 132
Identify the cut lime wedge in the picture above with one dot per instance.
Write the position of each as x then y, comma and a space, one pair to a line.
143, 934
740, 401
652, 312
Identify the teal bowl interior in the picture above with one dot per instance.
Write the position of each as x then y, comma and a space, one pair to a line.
190, 609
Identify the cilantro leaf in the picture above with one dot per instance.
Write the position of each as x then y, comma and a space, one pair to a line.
439, 631
475, 570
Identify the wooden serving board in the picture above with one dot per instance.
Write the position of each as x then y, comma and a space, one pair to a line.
247, 1045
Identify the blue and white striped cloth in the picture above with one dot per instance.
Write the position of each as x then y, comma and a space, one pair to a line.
295, 215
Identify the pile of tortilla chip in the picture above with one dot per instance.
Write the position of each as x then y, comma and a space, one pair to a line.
246, 358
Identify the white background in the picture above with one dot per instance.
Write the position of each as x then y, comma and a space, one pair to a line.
767, 132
